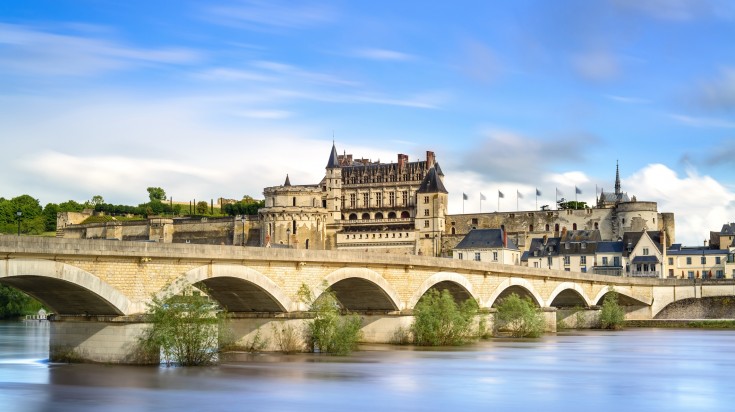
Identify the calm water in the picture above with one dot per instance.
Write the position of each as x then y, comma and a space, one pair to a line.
632, 370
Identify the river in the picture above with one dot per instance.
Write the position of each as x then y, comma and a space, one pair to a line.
630, 370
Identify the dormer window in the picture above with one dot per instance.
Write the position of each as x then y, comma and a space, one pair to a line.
584, 245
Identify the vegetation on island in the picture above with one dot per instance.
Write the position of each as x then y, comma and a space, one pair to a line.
329, 330
612, 315
440, 321
187, 329
519, 316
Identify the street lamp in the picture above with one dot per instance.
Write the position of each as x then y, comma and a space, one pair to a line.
18, 214
288, 237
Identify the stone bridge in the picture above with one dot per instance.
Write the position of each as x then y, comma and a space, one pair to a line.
114, 280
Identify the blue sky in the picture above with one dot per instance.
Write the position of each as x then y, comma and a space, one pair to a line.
222, 98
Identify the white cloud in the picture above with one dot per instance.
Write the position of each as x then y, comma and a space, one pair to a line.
271, 15
627, 99
383, 54
700, 203
265, 114
26, 50
695, 121
678, 10
596, 65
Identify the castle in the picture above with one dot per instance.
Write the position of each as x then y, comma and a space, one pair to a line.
399, 207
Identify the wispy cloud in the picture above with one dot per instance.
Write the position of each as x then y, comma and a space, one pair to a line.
627, 99
29, 50
271, 15
718, 93
596, 65
678, 10
265, 114
702, 121
383, 54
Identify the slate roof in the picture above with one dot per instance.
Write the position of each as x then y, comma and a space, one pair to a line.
631, 239
728, 229
484, 239
333, 158
645, 259
539, 248
432, 183
610, 247
287, 182
438, 169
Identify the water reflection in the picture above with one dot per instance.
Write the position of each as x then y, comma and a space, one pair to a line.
638, 369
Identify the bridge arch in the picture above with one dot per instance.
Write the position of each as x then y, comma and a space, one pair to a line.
237, 288
362, 289
458, 285
511, 285
567, 293
67, 289
627, 295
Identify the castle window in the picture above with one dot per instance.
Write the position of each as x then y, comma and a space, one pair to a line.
404, 195
307, 243
365, 216
405, 215
378, 215
623, 220
474, 220
574, 226
477, 256
353, 216
379, 199
391, 199
547, 227
426, 212
366, 199
597, 226
460, 255
454, 232
645, 252
566, 260
689, 260
391, 215
353, 200
495, 256
556, 227
530, 228
293, 225
294, 201
583, 260
426, 199
426, 223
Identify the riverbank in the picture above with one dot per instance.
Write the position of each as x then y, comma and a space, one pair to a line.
682, 323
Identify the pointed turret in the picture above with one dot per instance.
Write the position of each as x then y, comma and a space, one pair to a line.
617, 179
432, 183
333, 159
287, 182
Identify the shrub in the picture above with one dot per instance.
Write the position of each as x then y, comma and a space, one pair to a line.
287, 338
329, 331
520, 317
440, 321
611, 314
185, 328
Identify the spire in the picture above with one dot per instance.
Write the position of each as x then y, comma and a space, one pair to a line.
287, 182
431, 183
333, 160
617, 179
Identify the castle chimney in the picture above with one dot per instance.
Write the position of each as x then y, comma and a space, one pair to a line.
402, 160
505, 237
430, 159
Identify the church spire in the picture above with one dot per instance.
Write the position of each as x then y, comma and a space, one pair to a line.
287, 182
617, 179
333, 159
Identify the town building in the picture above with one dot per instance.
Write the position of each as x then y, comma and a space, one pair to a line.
487, 245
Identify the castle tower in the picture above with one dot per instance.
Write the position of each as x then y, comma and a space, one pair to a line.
431, 211
333, 187
618, 192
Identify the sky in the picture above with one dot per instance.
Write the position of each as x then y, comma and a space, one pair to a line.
223, 98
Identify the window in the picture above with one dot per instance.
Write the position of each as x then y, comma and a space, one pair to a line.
404, 195
293, 224
551, 260
616, 261
567, 260
391, 199
717, 260
293, 201
547, 227
720, 274
645, 251
584, 245
454, 232
704, 260
583, 260
690, 274
353, 199
379, 199
689, 260
574, 226
495, 256
459, 255
366, 199
426, 212
597, 226
477, 256
426, 199
671, 261
604, 261
535, 264
530, 228
474, 221
426, 223
556, 227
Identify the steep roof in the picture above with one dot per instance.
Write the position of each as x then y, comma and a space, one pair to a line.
438, 169
484, 239
610, 247
631, 239
544, 247
432, 183
728, 229
287, 182
333, 158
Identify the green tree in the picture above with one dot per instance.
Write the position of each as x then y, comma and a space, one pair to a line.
14, 303
612, 315
96, 200
329, 331
185, 328
156, 194
71, 206
50, 212
440, 321
202, 207
519, 316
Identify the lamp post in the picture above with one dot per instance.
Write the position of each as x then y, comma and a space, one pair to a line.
18, 215
288, 237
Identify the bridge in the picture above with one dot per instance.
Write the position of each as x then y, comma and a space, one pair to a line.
112, 282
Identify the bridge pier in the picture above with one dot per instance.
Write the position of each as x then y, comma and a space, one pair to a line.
97, 340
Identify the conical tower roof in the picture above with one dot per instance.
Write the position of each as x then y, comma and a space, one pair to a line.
432, 183
333, 159
287, 182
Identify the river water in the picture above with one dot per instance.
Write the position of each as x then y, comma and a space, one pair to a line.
631, 370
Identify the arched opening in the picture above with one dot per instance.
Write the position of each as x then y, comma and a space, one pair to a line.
353, 216
378, 215
547, 227
307, 243
239, 295
391, 215
293, 227
458, 292
712, 307
366, 216
530, 228
597, 226
405, 215
574, 226
454, 231
556, 227
61, 296
568, 298
358, 294
294, 201
518, 290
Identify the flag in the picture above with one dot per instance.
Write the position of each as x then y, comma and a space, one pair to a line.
538, 192
519, 194
464, 196
482, 197
500, 194
577, 190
